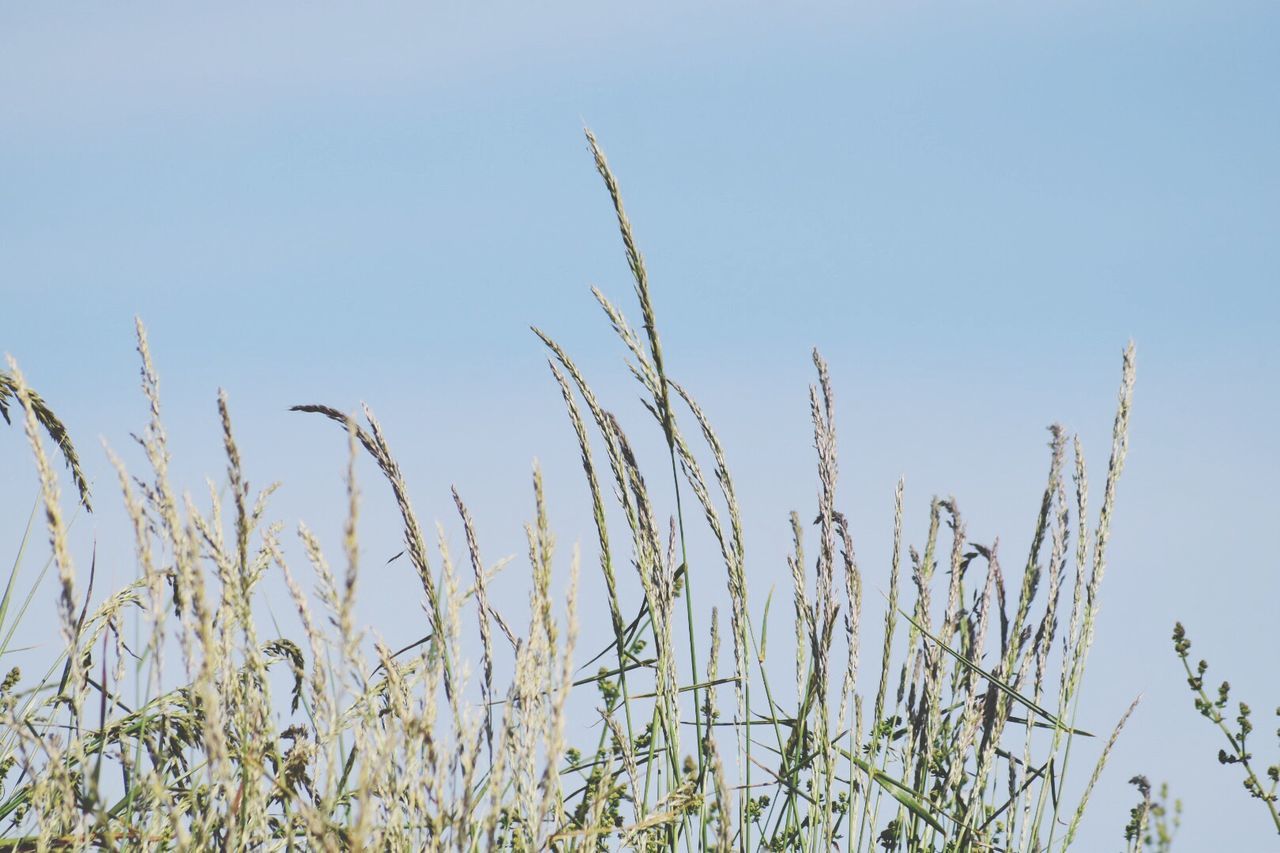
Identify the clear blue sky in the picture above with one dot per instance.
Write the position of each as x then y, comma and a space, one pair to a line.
969, 209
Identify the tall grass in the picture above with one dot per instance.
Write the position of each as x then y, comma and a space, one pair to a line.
965, 744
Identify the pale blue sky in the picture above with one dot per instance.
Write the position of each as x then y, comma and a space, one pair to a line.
969, 209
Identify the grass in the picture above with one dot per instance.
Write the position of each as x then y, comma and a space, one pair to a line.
328, 739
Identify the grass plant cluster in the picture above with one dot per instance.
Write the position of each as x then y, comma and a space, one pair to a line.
967, 742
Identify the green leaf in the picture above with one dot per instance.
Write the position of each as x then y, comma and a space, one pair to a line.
1000, 685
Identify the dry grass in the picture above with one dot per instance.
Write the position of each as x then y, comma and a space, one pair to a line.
967, 744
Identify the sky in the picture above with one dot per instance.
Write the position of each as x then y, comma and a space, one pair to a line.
969, 209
